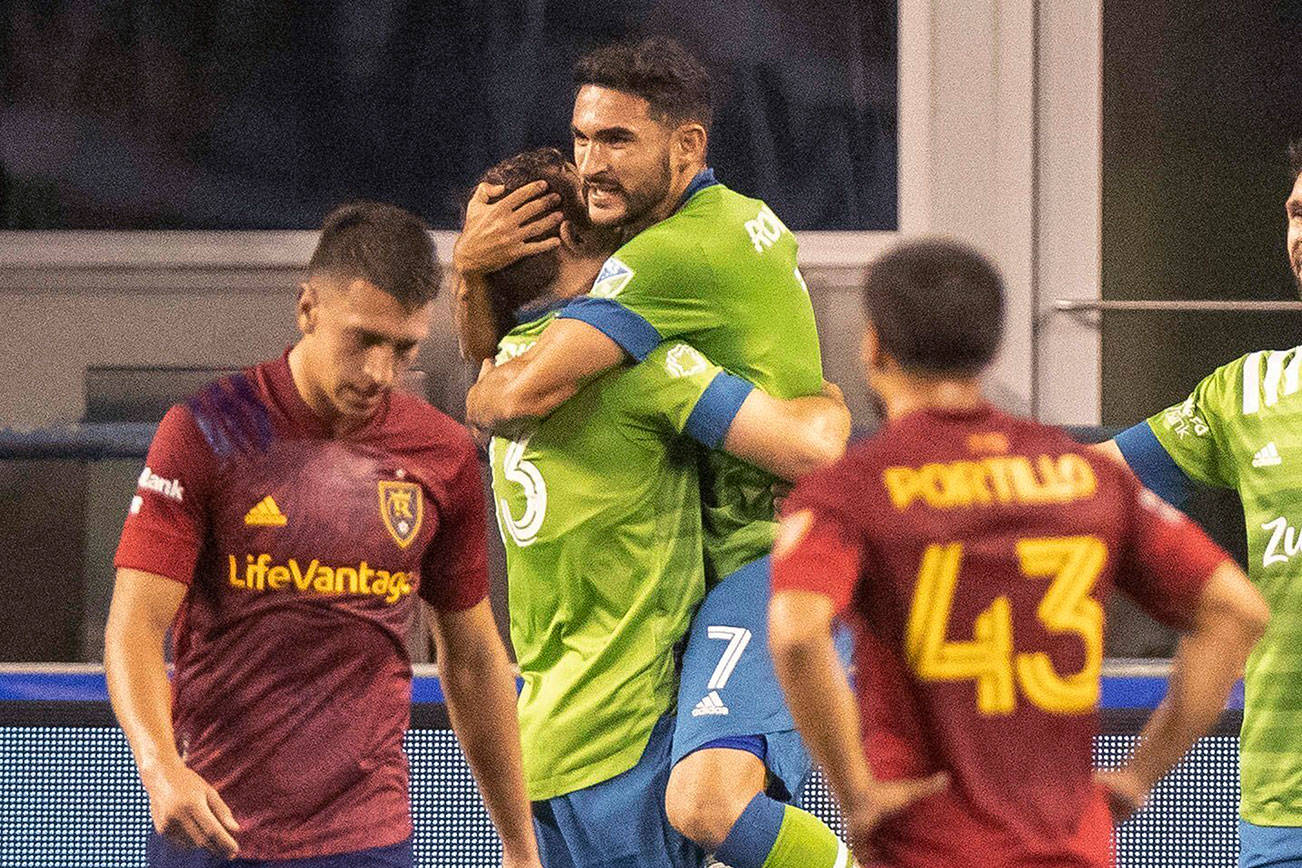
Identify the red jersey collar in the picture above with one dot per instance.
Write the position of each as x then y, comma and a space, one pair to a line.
280, 385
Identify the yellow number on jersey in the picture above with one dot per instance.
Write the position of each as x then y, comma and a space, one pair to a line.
1074, 563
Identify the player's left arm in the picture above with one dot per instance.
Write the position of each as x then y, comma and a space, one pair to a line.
529, 387
815, 568
479, 686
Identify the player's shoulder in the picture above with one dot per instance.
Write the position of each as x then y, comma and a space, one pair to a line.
231, 413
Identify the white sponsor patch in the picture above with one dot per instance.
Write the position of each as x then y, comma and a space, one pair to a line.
612, 279
684, 361
137, 503
151, 481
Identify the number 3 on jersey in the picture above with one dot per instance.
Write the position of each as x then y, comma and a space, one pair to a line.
1073, 564
523, 530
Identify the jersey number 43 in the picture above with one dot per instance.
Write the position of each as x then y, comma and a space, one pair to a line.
1072, 565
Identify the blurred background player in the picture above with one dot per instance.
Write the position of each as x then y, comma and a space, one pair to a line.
975, 552
705, 265
600, 511
288, 520
1240, 429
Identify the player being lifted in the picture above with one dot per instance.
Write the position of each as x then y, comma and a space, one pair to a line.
974, 552
1240, 429
288, 521
600, 511
715, 269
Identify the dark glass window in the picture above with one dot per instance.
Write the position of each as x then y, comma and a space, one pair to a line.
249, 114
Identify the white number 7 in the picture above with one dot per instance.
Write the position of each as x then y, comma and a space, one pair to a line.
738, 638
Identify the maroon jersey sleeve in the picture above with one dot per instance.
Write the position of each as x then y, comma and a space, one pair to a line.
815, 549
1166, 559
168, 519
454, 572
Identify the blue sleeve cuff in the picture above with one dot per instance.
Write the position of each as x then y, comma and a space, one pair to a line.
712, 416
1153, 465
630, 330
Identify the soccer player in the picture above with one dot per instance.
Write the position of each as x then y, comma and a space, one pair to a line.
717, 270
974, 552
289, 520
1237, 430
600, 511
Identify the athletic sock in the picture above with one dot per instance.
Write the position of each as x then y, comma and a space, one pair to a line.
769, 834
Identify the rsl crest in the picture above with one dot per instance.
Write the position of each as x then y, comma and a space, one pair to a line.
402, 506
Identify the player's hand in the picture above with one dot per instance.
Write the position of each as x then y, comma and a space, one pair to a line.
1124, 791
884, 800
497, 233
188, 812
833, 391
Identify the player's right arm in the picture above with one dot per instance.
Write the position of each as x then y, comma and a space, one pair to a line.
1183, 579
1185, 443
185, 808
793, 437
498, 231
161, 539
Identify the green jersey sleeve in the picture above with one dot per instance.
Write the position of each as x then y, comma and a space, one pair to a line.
1195, 431
683, 392
653, 289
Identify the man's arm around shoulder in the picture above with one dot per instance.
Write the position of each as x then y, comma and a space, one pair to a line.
790, 438
531, 386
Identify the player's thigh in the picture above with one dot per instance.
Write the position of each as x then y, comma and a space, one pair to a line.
619, 823
161, 853
1269, 846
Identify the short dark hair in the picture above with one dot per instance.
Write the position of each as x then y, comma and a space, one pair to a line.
659, 70
524, 280
1295, 159
937, 306
383, 244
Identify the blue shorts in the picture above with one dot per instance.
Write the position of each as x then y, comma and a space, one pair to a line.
161, 853
619, 823
1273, 846
728, 688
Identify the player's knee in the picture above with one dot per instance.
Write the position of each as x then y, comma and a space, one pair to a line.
704, 809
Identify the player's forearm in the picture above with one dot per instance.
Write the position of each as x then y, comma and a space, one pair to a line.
509, 395
821, 702
476, 322
1230, 619
788, 438
140, 693
480, 690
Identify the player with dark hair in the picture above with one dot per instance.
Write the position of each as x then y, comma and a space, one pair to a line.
600, 511
1240, 429
974, 552
707, 266
288, 521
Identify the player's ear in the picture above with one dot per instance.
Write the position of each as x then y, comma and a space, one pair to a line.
870, 349
689, 143
306, 312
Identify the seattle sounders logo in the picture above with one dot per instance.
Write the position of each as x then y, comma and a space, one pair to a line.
612, 279
684, 361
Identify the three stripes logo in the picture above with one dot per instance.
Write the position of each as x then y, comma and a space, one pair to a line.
265, 514
1267, 456
711, 704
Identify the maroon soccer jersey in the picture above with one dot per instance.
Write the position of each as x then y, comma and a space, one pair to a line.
304, 554
973, 552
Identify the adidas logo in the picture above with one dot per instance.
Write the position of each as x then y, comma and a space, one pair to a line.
265, 514
1267, 456
711, 704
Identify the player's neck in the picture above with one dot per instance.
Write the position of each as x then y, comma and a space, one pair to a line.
668, 205
316, 400
576, 274
904, 394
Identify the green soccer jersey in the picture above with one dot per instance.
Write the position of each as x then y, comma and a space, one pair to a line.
1242, 429
720, 274
600, 511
